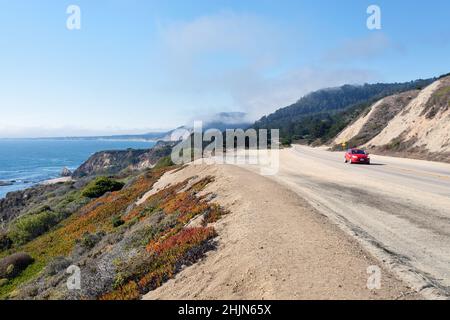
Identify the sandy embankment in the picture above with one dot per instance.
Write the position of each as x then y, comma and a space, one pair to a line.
273, 245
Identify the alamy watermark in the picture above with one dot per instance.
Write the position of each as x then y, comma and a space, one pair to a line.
374, 280
73, 21
232, 146
374, 20
74, 280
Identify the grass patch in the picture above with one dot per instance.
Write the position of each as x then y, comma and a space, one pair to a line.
443, 91
31, 226
100, 186
168, 254
164, 162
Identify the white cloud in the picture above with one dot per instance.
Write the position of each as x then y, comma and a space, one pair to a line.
260, 47
372, 46
243, 34
258, 95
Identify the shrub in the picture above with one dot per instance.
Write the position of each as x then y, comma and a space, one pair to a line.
117, 222
129, 291
41, 209
180, 247
14, 264
5, 242
164, 162
213, 214
180, 242
3, 282
31, 226
286, 142
118, 281
100, 186
89, 240
56, 265
297, 137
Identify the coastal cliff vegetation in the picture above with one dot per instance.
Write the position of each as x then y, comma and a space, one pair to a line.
123, 245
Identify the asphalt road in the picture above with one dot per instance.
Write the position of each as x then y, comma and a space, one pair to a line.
399, 209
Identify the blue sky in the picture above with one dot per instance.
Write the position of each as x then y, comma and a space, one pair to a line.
139, 65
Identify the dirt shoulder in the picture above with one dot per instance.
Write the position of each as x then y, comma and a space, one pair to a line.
273, 245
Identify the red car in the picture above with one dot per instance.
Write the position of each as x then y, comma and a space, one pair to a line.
357, 156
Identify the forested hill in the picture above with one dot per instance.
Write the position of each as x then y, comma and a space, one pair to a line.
323, 113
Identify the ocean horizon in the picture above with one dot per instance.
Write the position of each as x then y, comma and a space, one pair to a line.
27, 162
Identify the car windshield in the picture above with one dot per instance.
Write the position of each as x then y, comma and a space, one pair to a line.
358, 152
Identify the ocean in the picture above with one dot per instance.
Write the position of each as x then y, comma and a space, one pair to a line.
26, 162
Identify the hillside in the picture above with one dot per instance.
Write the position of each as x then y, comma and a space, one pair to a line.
416, 123
125, 241
323, 113
114, 161
374, 119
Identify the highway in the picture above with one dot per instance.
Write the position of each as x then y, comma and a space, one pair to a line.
399, 209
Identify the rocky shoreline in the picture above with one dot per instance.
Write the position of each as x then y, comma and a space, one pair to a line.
6, 183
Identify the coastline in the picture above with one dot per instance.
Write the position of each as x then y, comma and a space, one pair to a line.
25, 163
272, 245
